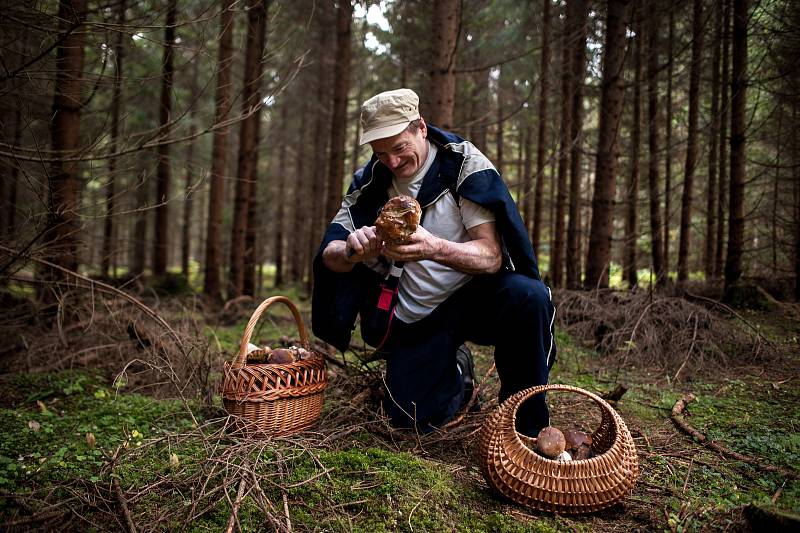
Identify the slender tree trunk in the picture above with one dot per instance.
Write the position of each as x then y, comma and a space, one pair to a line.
139, 235
733, 261
257, 18
446, 20
543, 133
341, 85
629, 260
186, 233
775, 200
301, 202
61, 236
576, 140
722, 196
163, 171
611, 100
281, 175
13, 175
668, 142
691, 148
499, 159
713, 150
116, 103
557, 254
529, 193
216, 195
652, 171
242, 266
321, 107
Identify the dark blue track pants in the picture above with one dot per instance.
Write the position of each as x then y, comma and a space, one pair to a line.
507, 310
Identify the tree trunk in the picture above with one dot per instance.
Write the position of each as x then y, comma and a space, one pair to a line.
541, 147
733, 261
61, 236
576, 138
722, 197
713, 150
254, 72
629, 261
139, 235
216, 194
186, 233
341, 85
668, 142
652, 171
528, 177
611, 100
557, 252
499, 158
446, 20
163, 171
281, 176
301, 202
691, 147
13, 175
116, 103
242, 267
321, 109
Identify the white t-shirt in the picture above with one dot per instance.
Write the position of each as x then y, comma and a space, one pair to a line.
426, 284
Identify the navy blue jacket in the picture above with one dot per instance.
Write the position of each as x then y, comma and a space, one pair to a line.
338, 297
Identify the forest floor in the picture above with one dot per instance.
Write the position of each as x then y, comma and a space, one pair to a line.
86, 446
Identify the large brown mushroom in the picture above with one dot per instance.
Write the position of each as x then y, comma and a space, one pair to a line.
398, 219
550, 442
281, 356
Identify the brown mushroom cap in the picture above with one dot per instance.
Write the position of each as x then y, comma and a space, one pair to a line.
398, 219
575, 438
281, 356
550, 442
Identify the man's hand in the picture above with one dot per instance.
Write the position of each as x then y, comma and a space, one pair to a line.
362, 244
480, 255
421, 245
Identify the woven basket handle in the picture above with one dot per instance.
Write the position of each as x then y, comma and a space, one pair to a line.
241, 357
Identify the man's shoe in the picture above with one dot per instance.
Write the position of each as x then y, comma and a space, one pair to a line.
466, 367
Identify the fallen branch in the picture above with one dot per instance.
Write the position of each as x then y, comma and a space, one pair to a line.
678, 419
123, 504
234, 519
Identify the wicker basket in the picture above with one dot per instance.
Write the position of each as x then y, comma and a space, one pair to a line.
565, 487
274, 399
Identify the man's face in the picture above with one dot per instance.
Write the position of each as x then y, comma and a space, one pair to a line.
404, 153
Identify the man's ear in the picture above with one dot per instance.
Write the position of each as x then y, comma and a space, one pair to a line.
423, 127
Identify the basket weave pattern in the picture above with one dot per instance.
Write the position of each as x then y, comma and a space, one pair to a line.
565, 487
274, 399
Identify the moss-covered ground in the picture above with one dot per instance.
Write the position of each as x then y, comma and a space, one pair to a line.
69, 437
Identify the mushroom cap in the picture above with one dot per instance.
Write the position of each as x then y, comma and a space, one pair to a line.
575, 438
550, 442
281, 356
398, 219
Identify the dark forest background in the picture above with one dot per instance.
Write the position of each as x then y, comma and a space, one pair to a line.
646, 143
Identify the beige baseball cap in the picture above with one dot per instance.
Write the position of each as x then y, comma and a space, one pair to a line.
387, 114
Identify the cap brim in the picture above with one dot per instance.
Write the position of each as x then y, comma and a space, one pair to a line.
382, 133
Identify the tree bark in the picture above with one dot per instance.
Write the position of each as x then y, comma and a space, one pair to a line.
652, 171
13, 174
541, 147
257, 18
61, 236
599, 254
691, 148
668, 141
629, 260
186, 233
242, 266
163, 171
216, 195
499, 158
733, 261
116, 104
341, 85
722, 197
301, 202
578, 65
446, 19
280, 222
713, 150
